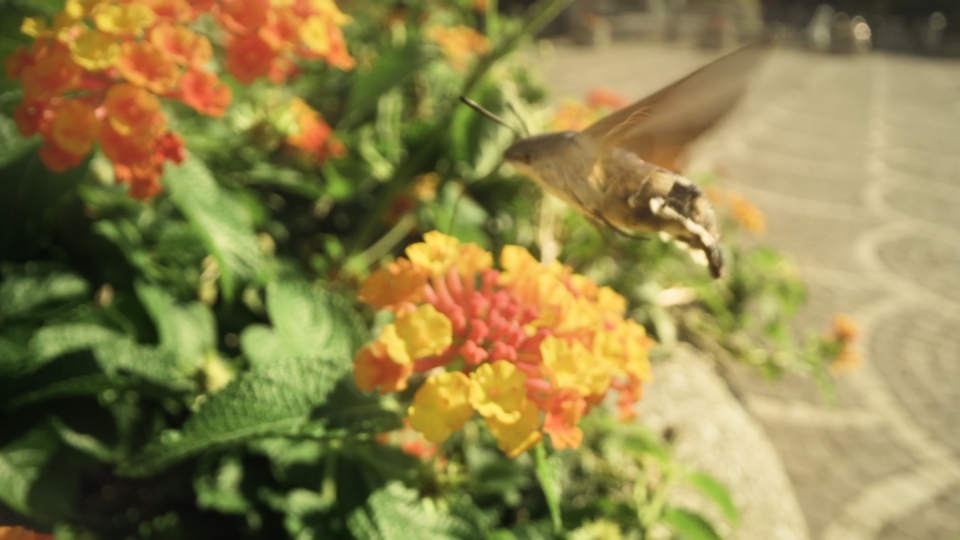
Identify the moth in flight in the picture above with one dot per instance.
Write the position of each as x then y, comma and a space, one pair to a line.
623, 171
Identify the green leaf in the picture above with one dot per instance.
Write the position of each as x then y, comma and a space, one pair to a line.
548, 473
261, 345
392, 513
21, 463
30, 287
716, 492
218, 486
318, 334
689, 526
12, 145
113, 351
222, 223
31, 203
187, 330
392, 68
311, 322
257, 404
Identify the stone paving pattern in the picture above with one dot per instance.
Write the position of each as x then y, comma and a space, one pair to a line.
855, 160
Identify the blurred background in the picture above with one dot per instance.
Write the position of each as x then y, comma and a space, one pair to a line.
847, 143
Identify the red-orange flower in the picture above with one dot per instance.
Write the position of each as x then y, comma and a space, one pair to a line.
314, 136
57, 159
374, 370
399, 283
19, 533
563, 414
144, 64
131, 109
204, 92
75, 127
182, 45
249, 57
243, 16
52, 71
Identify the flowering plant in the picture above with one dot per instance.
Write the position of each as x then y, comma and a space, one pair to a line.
94, 75
526, 340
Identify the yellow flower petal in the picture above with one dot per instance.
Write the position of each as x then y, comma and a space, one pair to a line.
517, 437
95, 50
498, 390
440, 406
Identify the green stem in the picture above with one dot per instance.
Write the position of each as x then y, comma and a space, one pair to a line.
382, 246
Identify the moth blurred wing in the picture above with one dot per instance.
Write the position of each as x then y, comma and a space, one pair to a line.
659, 127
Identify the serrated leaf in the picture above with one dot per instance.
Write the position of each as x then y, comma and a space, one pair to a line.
311, 322
222, 223
21, 463
53, 341
188, 330
319, 333
257, 404
260, 344
392, 513
548, 473
29, 287
716, 492
113, 351
689, 526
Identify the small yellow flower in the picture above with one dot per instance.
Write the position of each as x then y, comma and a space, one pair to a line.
573, 366
440, 406
417, 334
498, 390
472, 259
78, 9
517, 263
610, 302
626, 349
315, 33
437, 253
124, 19
517, 437
95, 50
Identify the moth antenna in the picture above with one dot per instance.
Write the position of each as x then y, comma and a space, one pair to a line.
476, 106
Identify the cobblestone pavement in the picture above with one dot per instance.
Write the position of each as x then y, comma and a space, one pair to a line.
856, 163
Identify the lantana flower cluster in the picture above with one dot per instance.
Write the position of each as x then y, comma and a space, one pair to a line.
530, 348
95, 73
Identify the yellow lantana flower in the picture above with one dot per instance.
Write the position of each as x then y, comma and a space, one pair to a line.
437, 253
472, 259
417, 334
440, 406
95, 50
124, 19
498, 390
572, 366
517, 437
